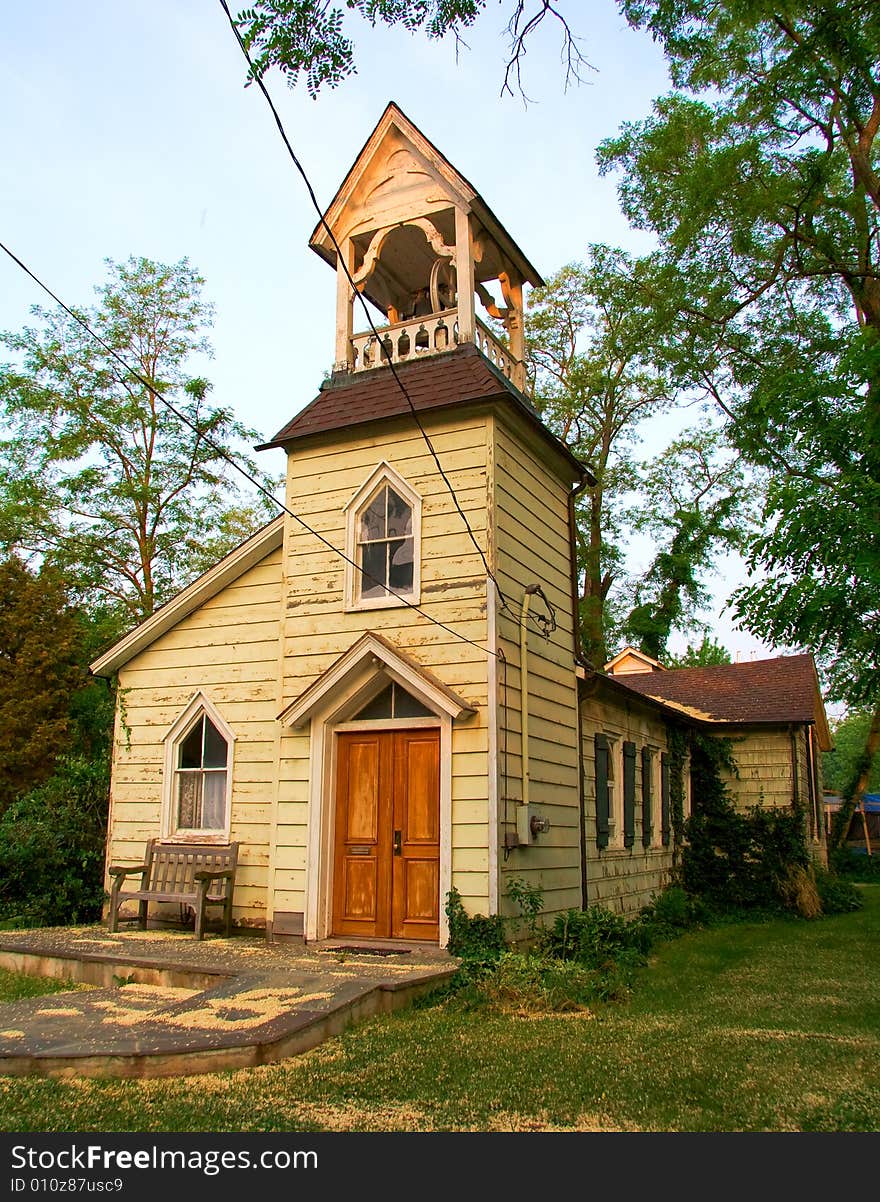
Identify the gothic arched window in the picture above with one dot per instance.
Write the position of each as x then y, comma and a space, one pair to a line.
198, 773
383, 527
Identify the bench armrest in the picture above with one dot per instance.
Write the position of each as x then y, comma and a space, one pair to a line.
124, 870
222, 874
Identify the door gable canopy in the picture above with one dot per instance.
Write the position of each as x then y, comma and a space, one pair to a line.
363, 671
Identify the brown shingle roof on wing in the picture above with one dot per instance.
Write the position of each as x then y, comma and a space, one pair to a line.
780, 690
462, 376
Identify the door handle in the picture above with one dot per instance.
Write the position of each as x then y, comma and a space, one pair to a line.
398, 850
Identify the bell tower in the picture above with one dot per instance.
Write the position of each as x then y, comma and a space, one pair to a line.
422, 246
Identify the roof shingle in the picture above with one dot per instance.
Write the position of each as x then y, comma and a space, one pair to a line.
462, 376
780, 690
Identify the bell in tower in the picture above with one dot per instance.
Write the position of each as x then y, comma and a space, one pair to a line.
422, 246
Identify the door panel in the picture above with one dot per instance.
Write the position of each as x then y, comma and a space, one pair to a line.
362, 855
362, 811
386, 870
415, 895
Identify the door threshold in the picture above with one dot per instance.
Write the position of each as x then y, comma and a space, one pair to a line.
382, 947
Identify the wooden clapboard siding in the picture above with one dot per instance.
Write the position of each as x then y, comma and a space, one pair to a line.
228, 648
623, 878
323, 475
529, 505
764, 762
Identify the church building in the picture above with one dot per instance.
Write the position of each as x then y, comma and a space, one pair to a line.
380, 696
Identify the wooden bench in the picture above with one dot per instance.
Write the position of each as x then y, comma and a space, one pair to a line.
193, 874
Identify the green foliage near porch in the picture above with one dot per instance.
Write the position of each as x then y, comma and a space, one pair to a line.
752, 1026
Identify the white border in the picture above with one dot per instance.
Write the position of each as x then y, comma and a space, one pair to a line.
383, 474
352, 692
198, 705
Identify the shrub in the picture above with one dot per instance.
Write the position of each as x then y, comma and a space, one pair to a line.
798, 890
527, 983
673, 911
477, 939
735, 860
595, 937
855, 865
837, 895
52, 848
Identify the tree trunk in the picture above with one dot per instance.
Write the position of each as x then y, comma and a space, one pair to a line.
855, 792
593, 618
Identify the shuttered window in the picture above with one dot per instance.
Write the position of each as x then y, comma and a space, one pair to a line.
629, 794
602, 808
647, 820
665, 826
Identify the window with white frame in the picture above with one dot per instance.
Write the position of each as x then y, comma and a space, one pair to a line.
657, 795
198, 773
383, 537
615, 791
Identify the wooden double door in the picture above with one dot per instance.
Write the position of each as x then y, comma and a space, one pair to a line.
386, 862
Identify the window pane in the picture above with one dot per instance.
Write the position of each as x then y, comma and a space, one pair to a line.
379, 707
373, 518
407, 706
190, 754
215, 746
399, 515
374, 562
189, 800
400, 573
214, 803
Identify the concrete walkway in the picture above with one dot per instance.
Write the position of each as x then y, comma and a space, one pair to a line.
167, 1005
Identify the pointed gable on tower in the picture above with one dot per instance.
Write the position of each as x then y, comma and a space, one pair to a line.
410, 233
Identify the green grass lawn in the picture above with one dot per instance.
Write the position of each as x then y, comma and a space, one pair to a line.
765, 1026
15, 985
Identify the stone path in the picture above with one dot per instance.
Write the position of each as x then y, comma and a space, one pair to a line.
165, 1004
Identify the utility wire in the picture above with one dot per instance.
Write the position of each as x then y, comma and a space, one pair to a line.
340, 259
223, 454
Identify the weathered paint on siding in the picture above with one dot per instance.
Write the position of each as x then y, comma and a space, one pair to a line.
620, 878
530, 515
764, 775
323, 475
227, 648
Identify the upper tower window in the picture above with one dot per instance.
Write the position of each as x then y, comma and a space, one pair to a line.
385, 545
383, 528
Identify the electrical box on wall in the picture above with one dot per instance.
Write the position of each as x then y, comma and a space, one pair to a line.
529, 825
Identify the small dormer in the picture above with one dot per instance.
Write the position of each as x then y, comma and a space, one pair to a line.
630, 661
422, 246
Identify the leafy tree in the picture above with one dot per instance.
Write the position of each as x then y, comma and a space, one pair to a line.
694, 498
308, 38
98, 477
591, 342
588, 344
840, 765
40, 669
760, 177
707, 654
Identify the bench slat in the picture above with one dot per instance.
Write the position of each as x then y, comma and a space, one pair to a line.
169, 876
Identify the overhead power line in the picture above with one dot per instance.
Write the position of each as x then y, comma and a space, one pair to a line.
225, 455
340, 259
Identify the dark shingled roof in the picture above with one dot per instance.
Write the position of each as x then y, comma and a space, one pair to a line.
462, 376
761, 691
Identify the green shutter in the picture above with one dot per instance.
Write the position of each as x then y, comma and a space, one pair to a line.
629, 794
601, 748
664, 799
647, 829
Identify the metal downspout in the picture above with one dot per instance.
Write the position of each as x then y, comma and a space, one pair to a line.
524, 687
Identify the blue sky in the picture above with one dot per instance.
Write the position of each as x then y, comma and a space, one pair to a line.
127, 131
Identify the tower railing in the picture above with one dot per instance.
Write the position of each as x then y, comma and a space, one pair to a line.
418, 337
